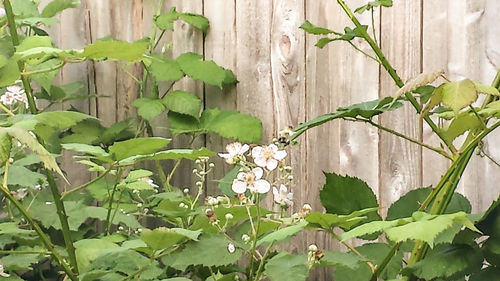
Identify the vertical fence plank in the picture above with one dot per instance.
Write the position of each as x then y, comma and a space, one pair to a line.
288, 71
253, 64
434, 58
400, 161
219, 47
321, 143
186, 38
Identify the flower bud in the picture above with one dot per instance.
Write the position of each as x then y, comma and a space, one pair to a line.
211, 165
231, 248
195, 171
186, 190
245, 238
139, 205
229, 216
313, 248
182, 205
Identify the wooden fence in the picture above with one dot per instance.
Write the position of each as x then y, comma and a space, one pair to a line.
285, 80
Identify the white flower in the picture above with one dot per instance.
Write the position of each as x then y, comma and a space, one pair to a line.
149, 181
282, 197
14, 93
2, 273
245, 238
231, 248
20, 193
268, 156
234, 151
251, 180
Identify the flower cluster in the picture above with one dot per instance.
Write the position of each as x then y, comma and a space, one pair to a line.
14, 94
253, 175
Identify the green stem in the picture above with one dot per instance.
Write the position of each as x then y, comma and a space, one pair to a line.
110, 204
63, 218
20, 64
67, 193
435, 149
261, 265
392, 72
385, 262
45, 239
15, 252
4, 108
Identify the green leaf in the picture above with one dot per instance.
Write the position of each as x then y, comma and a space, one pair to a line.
375, 253
24, 177
489, 273
228, 124
5, 147
421, 226
162, 237
288, 267
409, 203
335, 259
225, 184
166, 21
198, 21
57, 6
370, 5
206, 71
25, 8
458, 95
232, 124
25, 138
282, 235
184, 103
447, 261
164, 69
462, 123
55, 119
314, 29
137, 174
213, 246
366, 110
491, 250
336, 196
327, 221
87, 149
121, 263
138, 146
20, 262
87, 250
489, 223
108, 49
149, 108
9, 73
485, 89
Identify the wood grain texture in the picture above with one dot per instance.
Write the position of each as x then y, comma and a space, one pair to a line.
400, 161
434, 58
219, 46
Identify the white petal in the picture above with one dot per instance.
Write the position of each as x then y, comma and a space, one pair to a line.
273, 147
272, 164
257, 172
224, 155
244, 148
241, 176
280, 155
233, 148
260, 161
283, 189
262, 186
239, 186
256, 152
275, 192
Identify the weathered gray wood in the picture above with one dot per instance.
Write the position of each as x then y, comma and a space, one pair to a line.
219, 47
400, 162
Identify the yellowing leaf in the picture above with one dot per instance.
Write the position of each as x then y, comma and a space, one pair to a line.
458, 95
420, 80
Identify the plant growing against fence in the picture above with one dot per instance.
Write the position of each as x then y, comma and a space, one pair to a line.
47, 235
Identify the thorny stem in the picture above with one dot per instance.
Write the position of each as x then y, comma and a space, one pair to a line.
394, 75
435, 149
349, 246
50, 177
45, 239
